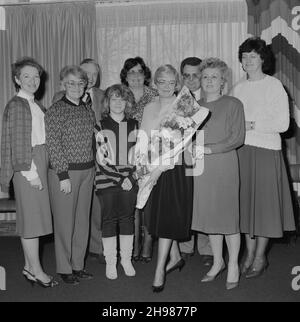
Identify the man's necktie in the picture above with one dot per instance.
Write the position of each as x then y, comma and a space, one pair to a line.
88, 100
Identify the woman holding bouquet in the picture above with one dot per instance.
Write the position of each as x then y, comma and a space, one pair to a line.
137, 76
169, 207
216, 191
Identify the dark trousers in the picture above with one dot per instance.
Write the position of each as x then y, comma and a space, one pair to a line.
95, 242
117, 210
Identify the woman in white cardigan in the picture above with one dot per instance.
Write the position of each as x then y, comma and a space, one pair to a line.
265, 200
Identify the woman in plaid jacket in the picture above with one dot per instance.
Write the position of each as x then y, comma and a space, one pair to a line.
24, 160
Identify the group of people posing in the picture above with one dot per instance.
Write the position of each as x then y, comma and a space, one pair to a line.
70, 175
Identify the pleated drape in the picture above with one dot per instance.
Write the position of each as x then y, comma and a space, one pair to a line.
168, 31
54, 34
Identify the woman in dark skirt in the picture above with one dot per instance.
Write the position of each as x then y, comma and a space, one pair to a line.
24, 159
169, 208
265, 201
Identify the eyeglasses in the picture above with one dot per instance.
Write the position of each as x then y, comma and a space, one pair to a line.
139, 72
190, 76
75, 84
164, 83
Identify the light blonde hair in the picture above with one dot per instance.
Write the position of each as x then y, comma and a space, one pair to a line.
213, 62
168, 69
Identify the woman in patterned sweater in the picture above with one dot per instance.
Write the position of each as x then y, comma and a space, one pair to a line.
69, 136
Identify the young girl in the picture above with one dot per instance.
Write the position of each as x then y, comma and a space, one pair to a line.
24, 159
69, 138
115, 183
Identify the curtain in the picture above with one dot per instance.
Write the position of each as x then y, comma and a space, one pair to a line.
278, 23
168, 31
54, 34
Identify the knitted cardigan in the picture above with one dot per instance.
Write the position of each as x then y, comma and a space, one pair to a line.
16, 149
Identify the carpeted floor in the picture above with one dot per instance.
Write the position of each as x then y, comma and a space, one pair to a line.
184, 286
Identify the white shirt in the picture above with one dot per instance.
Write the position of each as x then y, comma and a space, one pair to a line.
197, 94
265, 103
38, 134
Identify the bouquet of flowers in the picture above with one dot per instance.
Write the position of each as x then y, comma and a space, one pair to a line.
175, 132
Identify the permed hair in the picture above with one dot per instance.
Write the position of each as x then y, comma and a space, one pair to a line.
168, 69
132, 62
120, 90
21, 63
192, 61
73, 70
213, 62
259, 46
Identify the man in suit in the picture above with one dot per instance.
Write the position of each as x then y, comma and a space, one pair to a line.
94, 96
189, 69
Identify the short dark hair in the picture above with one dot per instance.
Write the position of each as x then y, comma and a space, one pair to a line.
21, 63
130, 63
260, 47
192, 61
122, 91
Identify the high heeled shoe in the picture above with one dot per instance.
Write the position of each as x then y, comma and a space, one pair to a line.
231, 285
29, 277
246, 265
51, 283
179, 265
257, 270
159, 288
210, 278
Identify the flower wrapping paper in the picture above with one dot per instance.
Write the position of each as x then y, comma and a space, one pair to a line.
176, 129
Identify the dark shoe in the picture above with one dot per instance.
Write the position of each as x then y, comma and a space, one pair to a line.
257, 268
29, 277
186, 256
146, 259
179, 265
51, 283
160, 288
207, 260
69, 279
83, 275
136, 257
